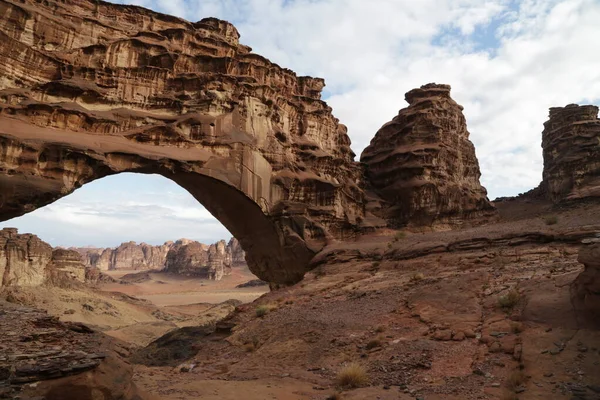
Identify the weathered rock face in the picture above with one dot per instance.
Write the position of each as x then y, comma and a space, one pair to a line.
571, 149
26, 260
423, 164
65, 268
129, 255
585, 290
238, 257
44, 358
23, 259
91, 89
200, 260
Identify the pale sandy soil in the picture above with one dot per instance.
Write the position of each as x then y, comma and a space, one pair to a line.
164, 289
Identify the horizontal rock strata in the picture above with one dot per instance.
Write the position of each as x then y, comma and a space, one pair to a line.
184, 256
423, 164
571, 149
197, 259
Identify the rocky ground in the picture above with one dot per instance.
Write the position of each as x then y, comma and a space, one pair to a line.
484, 313
488, 312
63, 360
55, 338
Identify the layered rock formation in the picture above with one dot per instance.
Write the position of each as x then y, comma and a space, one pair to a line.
423, 164
238, 257
89, 89
44, 358
23, 259
65, 268
571, 149
129, 255
184, 256
197, 259
26, 260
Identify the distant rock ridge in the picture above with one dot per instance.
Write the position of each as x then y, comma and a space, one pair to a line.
197, 259
183, 256
424, 166
26, 260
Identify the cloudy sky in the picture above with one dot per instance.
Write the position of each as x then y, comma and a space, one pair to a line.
507, 61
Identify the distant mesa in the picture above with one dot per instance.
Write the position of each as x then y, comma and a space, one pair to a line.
26, 260
185, 257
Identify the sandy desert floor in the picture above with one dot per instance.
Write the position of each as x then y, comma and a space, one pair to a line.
164, 289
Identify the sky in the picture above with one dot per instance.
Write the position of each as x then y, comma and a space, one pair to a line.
507, 62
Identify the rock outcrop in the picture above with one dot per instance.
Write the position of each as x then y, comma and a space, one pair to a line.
423, 164
44, 358
197, 259
571, 149
585, 290
65, 268
89, 89
128, 255
26, 260
23, 259
238, 257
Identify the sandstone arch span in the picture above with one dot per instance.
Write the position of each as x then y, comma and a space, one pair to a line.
89, 89
235, 189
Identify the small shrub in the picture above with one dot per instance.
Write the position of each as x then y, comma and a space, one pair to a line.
399, 235
417, 276
551, 220
373, 344
508, 395
319, 272
261, 311
249, 347
516, 327
509, 300
352, 375
380, 329
515, 379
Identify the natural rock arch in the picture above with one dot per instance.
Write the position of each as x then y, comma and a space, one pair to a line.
237, 196
99, 89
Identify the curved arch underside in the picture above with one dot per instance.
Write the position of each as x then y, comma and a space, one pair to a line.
42, 165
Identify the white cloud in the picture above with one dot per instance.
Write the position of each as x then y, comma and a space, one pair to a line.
121, 208
537, 54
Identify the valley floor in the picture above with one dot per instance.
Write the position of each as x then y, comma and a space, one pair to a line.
486, 312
